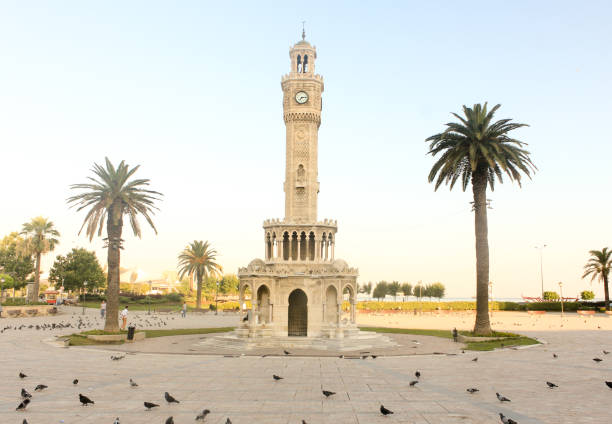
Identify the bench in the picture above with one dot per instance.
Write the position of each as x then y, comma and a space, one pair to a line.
31, 312
586, 312
52, 311
14, 313
165, 311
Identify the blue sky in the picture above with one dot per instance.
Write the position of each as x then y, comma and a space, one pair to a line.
191, 91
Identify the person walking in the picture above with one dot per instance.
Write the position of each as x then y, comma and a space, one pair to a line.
124, 314
103, 308
184, 310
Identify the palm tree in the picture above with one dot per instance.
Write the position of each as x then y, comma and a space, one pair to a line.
198, 259
110, 195
599, 266
40, 234
478, 150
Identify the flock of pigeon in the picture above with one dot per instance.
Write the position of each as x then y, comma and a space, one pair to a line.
26, 399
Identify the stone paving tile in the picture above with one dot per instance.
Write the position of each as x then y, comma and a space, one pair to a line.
242, 388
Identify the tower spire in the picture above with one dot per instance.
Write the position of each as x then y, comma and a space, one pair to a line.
303, 31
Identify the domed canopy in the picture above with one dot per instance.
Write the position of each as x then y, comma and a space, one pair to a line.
340, 265
256, 263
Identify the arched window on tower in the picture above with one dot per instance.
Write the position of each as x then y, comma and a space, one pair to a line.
299, 63
305, 63
301, 174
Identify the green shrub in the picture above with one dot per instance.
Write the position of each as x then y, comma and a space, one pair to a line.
553, 306
432, 306
174, 297
587, 295
20, 301
124, 299
551, 295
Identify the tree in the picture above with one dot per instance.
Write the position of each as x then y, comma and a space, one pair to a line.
587, 295
366, 288
75, 268
6, 282
40, 237
198, 258
381, 290
550, 296
110, 196
599, 266
407, 289
436, 290
15, 260
393, 288
479, 151
229, 284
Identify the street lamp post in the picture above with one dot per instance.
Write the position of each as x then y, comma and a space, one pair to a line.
541, 248
561, 294
84, 294
149, 298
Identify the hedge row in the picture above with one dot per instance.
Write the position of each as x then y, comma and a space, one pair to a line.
470, 306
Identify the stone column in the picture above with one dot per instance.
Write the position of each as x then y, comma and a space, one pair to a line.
332, 250
281, 246
353, 312
270, 312
338, 313
253, 320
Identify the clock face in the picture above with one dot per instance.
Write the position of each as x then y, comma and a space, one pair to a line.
301, 97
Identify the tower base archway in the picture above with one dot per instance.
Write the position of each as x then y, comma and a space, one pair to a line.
298, 314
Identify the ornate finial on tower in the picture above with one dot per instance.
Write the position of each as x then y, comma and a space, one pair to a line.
303, 31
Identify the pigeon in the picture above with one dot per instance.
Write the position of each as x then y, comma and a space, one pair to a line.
203, 415
472, 390
609, 384
24, 421
246, 318
417, 374
413, 383
385, 411
286, 353
597, 359
555, 355
374, 356
502, 398
170, 420
276, 377
169, 398
506, 420
40, 387
22, 406
22, 375
75, 381
25, 394
228, 421
551, 385
475, 359
150, 405
85, 400
605, 352
116, 358
133, 383
327, 393
116, 421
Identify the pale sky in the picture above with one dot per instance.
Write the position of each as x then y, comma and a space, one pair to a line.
191, 92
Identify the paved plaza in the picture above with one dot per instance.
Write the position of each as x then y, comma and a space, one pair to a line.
242, 388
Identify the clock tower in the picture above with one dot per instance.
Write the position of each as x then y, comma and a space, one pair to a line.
302, 90
298, 288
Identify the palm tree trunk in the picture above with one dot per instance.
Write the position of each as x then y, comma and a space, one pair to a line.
606, 292
199, 290
114, 228
36, 288
482, 326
